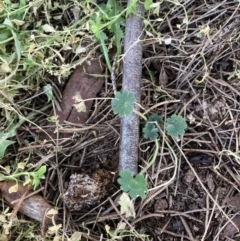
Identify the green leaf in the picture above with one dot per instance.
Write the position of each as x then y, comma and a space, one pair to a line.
114, 10
147, 4
176, 126
4, 33
157, 118
41, 172
2, 177
95, 28
134, 186
150, 131
4, 143
123, 103
48, 91
104, 48
131, 7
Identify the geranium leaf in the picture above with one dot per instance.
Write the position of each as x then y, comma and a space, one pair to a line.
123, 103
157, 118
150, 131
134, 186
176, 125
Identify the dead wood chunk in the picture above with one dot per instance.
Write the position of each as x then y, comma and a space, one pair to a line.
84, 83
82, 191
33, 206
230, 229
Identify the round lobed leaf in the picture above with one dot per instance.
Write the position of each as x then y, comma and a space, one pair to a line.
123, 103
176, 126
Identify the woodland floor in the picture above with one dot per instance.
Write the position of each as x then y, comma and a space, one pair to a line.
194, 71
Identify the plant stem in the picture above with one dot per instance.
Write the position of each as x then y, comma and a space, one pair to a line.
153, 158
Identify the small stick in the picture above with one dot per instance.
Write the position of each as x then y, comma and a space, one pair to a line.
132, 74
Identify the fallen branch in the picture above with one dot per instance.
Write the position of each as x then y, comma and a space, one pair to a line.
132, 73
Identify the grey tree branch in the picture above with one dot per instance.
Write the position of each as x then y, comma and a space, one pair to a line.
132, 73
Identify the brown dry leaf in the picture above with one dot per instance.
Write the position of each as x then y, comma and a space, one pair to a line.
230, 229
234, 201
84, 82
33, 206
189, 176
160, 204
210, 182
163, 77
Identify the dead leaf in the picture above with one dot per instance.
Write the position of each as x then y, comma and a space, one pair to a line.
127, 206
84, 83
234, 201
160, 204
79, 103
163, 77
210, 182
230, 229
189, 176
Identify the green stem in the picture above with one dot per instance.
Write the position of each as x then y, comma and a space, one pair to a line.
141, 115
153, 158
175, 167
29, 117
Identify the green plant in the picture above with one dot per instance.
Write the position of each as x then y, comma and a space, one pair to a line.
122, 105
106, 24
108, 17
122, 232
176, 125
32, 177
134, 186
150, 131
11, 132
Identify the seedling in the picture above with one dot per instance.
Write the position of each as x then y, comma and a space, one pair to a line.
123, 105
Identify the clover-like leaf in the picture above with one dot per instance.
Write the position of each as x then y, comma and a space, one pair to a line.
150, 131
123, 103
176, 125
134, 186
157, 118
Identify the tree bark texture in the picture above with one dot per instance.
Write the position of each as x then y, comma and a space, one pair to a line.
132, 73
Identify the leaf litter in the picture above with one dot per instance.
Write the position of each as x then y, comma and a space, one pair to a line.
199, 67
